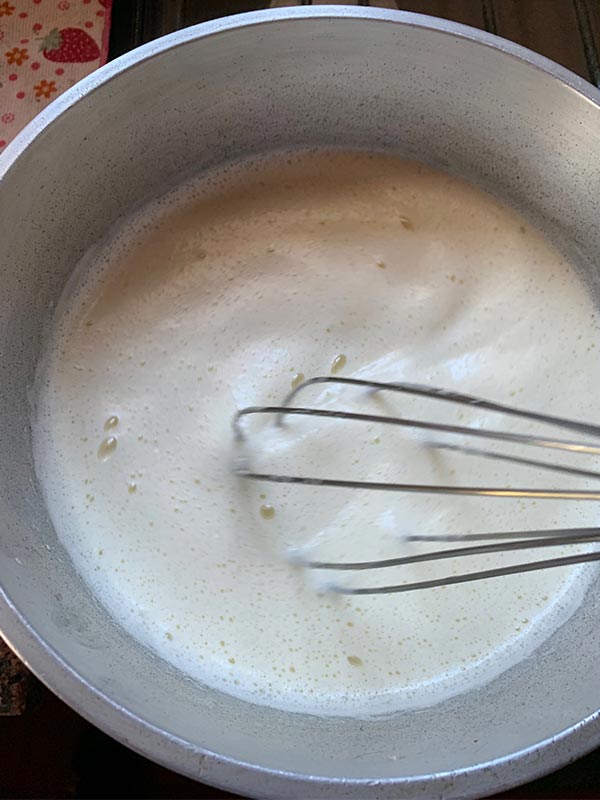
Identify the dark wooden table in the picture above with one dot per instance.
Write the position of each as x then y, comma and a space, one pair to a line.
47, 750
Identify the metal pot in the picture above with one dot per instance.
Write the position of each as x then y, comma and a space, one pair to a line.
449, 95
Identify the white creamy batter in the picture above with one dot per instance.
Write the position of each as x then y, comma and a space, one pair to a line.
221, 295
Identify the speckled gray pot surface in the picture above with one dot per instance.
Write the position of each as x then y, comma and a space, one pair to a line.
449, 95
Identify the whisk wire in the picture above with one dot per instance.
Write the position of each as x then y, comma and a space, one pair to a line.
510, 541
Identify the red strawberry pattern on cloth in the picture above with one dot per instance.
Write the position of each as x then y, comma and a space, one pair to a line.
45, 47
70, 46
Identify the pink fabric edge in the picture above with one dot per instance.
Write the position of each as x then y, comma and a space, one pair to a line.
106, 33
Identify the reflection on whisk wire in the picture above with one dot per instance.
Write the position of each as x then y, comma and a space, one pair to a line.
497, 542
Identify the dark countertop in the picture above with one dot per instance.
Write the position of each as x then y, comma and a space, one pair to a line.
49, 751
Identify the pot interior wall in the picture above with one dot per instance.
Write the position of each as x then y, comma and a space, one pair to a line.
340, 81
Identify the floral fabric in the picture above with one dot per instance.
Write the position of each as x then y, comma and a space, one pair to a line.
45, 47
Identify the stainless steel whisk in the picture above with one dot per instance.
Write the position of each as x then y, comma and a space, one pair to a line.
494, 542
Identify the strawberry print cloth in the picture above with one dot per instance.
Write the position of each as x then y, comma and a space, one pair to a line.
45, 47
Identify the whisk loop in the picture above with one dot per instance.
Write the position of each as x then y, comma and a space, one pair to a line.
503, 542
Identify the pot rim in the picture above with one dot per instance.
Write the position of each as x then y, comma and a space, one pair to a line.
177, 753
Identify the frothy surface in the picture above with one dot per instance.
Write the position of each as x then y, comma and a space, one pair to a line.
226, 293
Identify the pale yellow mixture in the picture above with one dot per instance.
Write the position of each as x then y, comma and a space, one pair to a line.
224, 294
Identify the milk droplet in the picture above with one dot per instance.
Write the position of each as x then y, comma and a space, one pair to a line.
407, 223
338, 363
107, 448
297, 380
267, 511
132, 487
111, 423
355, 661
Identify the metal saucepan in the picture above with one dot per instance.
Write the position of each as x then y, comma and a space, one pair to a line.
436, 91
